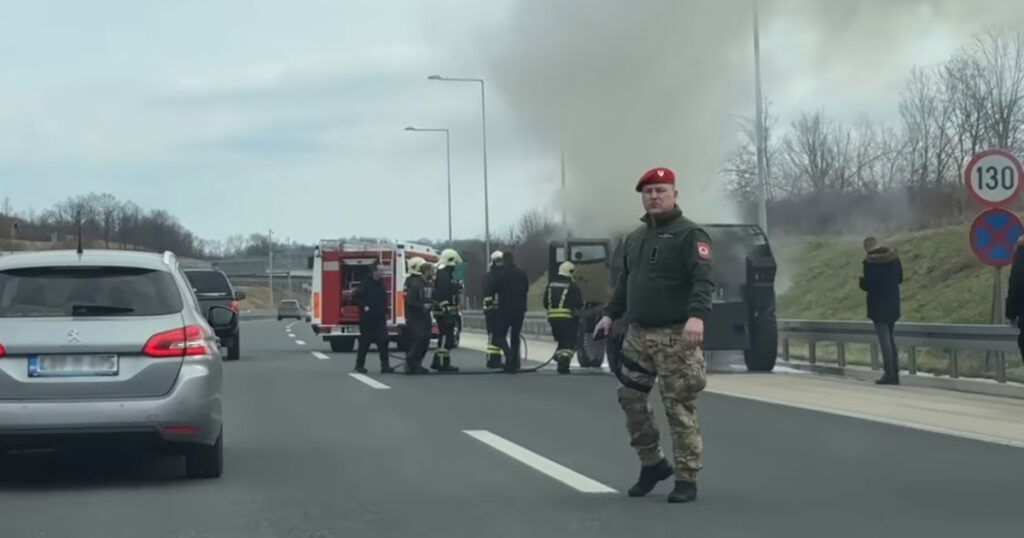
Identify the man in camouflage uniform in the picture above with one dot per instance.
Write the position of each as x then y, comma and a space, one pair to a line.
664, 291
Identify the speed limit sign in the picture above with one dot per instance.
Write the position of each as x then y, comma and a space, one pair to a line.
993, 177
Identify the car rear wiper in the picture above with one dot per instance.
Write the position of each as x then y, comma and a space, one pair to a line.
95, 309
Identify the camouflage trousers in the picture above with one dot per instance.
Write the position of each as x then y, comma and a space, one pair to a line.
662, 354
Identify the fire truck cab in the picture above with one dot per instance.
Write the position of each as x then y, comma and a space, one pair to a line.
339, 266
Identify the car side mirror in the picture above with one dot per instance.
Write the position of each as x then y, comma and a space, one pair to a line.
221, 317
239, 295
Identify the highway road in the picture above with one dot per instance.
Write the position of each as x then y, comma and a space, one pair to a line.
312, 451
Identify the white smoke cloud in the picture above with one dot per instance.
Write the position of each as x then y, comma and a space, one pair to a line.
624, 87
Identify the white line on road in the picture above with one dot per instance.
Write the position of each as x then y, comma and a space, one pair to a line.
320, 356
369, 381
300, 342
291, 335
289, 326
554, 470
872, 418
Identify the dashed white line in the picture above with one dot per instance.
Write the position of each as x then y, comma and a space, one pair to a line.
291, 335
369, 381
300, 342
320, 356
557, 471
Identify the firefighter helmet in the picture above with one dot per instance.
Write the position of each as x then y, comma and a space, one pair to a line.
449, 258
567, 269
416, 265
497, 257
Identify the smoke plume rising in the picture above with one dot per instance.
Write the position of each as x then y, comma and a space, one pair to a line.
624, 87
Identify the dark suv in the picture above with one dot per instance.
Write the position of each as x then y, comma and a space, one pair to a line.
213, 288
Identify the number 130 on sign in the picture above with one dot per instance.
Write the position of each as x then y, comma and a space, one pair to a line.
993, 177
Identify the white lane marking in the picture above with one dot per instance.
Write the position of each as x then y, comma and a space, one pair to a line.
291, 335
890, 421
370, 381
559, 472
320, 356
290, 325
300, 342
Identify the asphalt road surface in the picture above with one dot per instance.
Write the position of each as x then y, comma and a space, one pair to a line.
311, 451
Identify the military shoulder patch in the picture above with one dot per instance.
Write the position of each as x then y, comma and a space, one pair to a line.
703, 250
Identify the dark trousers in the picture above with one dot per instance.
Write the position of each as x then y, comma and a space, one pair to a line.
1020, 340
373, 331
564, 331
446, 326
510, 322
887, 344
419, 341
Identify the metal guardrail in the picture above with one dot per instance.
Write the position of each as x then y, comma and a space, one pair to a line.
997, 340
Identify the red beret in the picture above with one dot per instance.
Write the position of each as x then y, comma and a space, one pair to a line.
656, 175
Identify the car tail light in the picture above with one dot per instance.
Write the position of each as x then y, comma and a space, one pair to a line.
234, 306
182, 342
2, 351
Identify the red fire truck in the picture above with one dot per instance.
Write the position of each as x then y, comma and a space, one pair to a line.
338, 268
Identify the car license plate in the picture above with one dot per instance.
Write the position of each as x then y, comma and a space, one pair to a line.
72, 365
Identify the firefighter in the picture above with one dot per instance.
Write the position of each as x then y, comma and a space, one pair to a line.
447, 290
418, 304
491, 310
562, 298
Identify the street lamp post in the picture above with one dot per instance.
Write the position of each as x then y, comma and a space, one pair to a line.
288, 245
270, 258
483, 121
762, 205
448, 159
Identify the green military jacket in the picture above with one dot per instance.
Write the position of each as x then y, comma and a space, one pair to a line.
666, 273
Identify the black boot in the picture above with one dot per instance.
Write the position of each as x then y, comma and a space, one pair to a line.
436, 363
446, 365
494, 362
385, 367
415, 369
683, 493
360, 368
563, 366
649, 477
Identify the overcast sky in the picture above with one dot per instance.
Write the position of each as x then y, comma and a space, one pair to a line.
243, 115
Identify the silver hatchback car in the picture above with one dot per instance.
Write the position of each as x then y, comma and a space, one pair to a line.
109, 348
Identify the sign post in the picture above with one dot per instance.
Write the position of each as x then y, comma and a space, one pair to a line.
993, 177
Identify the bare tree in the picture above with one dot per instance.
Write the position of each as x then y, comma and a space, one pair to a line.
1000, 53
966, 99
740, 169
926, 119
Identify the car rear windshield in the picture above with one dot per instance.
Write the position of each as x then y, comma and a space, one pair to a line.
209, 282
87, 291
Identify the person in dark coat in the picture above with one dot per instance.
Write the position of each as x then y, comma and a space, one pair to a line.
511, 287
1015, 293
372, 299
883, 274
